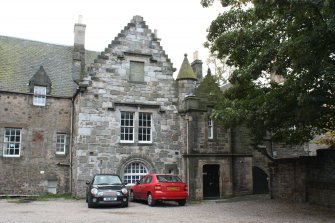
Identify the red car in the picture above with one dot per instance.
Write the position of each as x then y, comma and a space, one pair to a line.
159, 187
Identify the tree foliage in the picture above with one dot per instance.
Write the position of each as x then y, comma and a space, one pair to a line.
290, 39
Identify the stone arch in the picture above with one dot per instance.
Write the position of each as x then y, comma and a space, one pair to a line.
135, 159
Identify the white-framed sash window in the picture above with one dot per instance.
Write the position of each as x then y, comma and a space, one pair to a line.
40, 96
12, 142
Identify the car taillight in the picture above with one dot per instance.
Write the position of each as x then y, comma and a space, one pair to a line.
185, 188
158, 187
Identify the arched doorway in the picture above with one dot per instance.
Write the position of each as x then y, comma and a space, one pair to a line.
260, 181
211, 185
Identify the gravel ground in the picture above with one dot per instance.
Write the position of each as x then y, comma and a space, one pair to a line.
247, 209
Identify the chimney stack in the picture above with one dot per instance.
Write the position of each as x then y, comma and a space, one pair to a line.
79, 33
79, 50
197, 66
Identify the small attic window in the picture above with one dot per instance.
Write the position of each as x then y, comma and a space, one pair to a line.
40, 93
136, 73
40, 86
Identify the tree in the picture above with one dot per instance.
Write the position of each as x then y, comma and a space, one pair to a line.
290, 39
219, 67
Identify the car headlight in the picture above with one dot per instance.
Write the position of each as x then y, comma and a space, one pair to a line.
94, 191
124, 191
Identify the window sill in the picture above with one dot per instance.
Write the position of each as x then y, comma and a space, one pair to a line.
6, 156
136, 144
60, 154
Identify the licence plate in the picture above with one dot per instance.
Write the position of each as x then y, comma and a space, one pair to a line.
172, 188
109, 198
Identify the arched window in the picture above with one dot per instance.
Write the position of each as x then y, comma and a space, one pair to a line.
134, 171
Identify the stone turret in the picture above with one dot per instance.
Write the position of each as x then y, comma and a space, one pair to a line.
186, 82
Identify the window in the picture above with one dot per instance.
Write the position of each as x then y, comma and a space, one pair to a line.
39, 96
60, 143
148, 180
144, 127
127, 127
210, 128
136, 71
52, 186
12, 142
134, 172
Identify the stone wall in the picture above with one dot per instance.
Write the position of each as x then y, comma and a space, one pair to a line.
37, 164
98, 146
305, 179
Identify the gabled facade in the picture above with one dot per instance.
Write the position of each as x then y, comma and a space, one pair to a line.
127, 120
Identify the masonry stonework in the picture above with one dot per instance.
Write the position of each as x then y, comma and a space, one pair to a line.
38, 162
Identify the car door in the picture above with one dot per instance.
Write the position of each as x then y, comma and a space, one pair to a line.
138, 189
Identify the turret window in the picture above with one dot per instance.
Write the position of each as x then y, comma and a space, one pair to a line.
210, 128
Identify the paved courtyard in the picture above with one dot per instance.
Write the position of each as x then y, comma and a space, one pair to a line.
248, 209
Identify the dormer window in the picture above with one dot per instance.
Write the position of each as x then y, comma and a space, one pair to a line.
40, 96
40, 86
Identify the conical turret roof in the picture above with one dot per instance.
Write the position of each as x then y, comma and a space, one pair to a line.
186, 71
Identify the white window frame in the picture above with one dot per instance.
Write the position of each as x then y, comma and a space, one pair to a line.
52, 186
134, 172
144, 127
127, 133
40, 96
210, 128
12, 142
61, 143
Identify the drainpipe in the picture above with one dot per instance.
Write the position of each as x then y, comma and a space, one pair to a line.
188, 119
187, 161
71, 138
71, 134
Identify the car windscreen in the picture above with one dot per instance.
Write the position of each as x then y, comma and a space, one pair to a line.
107, 180
168, 178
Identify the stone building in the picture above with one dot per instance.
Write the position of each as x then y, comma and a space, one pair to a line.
67, 113
37, 88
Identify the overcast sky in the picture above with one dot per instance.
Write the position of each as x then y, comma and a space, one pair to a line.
181, 24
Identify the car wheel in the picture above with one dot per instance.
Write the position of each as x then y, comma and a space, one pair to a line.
124, 205
181, 202
150, 200
90, 205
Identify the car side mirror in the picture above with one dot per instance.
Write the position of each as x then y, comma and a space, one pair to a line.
88, 182
125, 182
138, 182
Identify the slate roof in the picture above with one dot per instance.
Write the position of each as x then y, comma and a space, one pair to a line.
20, 59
